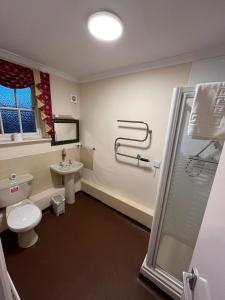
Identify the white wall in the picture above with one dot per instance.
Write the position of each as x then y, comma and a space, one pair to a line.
144, 96
207, 70
61, 89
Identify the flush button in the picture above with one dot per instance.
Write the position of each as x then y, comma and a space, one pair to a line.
12, 176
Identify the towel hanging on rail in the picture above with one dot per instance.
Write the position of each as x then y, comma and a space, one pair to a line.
207, 119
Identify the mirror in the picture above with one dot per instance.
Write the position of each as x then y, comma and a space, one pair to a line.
66, 131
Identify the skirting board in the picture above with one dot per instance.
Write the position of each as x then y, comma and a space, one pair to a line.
127, 207
43, 199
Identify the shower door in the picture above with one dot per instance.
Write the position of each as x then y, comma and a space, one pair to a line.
187, 175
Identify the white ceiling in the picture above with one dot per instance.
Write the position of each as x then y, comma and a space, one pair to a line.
54, 32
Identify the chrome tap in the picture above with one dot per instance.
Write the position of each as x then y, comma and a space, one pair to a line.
63, 154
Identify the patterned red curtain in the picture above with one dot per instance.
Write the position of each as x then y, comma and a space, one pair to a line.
43, 96
15, 76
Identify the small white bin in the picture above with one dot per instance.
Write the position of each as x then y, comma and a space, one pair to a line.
58, 203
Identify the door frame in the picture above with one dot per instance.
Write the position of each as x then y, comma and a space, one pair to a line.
161, 278
5, 287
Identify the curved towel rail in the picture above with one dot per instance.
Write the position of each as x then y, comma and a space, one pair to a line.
117, 144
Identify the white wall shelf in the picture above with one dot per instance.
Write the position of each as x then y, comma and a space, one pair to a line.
23, 142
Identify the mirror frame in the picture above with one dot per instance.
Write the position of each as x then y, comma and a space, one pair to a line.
61, 120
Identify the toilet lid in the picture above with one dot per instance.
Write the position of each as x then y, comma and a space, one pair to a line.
24, 217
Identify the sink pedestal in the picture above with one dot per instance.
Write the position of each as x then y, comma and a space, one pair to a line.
68, 169
69, 188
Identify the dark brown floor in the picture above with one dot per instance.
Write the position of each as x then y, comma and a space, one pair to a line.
90, 253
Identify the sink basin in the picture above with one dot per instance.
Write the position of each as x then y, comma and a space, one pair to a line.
68, 169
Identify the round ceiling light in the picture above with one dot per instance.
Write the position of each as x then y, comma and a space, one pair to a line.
105, 26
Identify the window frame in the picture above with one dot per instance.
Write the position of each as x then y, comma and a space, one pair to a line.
26, 135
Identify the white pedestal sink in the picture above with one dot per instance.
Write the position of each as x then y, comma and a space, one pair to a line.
68, 169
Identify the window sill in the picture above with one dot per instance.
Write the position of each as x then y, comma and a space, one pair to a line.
24, 142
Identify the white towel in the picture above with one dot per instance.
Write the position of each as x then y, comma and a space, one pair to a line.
207, 119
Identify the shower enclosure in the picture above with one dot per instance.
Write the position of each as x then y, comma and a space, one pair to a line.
187, 174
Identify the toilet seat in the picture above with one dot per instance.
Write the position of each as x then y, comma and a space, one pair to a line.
24, 217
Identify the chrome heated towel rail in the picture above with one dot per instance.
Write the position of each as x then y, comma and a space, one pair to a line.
117, 144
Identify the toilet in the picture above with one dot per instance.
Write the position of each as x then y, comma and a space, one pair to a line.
21, 214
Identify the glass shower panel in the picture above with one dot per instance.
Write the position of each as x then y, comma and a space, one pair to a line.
193, 172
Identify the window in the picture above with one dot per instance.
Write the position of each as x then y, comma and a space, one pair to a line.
17, 111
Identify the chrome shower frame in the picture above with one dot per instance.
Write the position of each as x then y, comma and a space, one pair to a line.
149, 269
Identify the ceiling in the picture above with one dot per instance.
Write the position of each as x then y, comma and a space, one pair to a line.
54, 32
